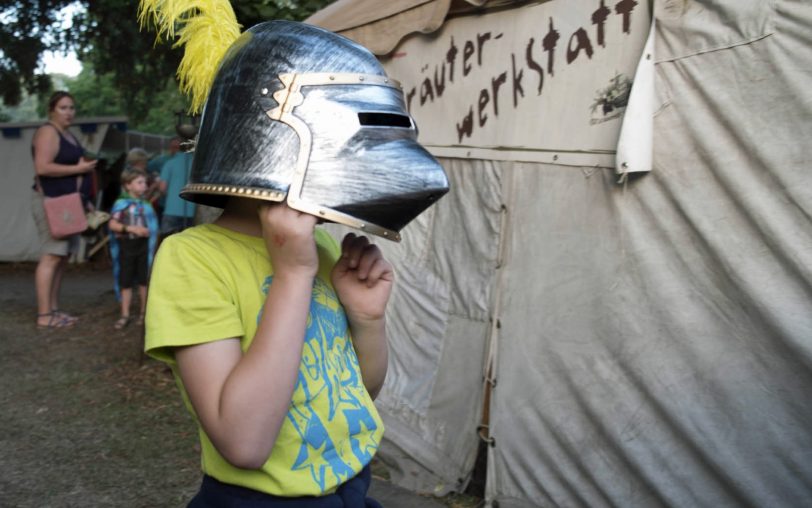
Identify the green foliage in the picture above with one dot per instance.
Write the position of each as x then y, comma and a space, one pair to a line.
28, 28
250, 13
125, 71
25, 111
95, 94
161, 115
112, 42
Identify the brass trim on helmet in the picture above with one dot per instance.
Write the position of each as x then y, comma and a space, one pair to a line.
288, 98
303, 206
233, 190
342, 218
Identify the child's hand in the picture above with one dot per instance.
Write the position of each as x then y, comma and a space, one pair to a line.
141, 231
289, 239
362, 279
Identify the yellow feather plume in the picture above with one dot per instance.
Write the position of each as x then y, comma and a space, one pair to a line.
205, 27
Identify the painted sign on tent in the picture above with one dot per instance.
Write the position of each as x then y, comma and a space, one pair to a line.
544, 82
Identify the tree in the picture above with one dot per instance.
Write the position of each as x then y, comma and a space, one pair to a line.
107, 38
97, 95
29, 28
111, 41
24, 111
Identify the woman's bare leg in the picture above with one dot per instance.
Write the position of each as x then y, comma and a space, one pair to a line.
56, 286
45, 278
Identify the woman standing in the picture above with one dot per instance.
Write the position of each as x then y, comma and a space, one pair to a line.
58, 163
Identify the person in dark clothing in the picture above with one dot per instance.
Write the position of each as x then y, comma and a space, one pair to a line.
59, 163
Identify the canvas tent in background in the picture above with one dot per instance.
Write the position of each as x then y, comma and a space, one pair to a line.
618, 336
105, 135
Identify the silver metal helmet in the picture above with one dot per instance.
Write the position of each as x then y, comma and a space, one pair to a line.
300, 114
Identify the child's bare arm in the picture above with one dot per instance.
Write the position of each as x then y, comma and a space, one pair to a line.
363, 281
116, 226
242, 399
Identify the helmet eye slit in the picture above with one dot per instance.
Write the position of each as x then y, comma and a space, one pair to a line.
376, 119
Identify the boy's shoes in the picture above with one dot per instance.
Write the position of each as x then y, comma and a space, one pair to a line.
140, 320
121, 322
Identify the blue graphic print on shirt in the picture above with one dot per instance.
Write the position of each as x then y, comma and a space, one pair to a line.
329, 374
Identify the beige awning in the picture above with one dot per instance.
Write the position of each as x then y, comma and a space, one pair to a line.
380, 26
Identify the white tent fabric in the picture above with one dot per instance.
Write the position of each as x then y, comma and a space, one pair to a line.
20, 241
381, 25
671, 342
650, 342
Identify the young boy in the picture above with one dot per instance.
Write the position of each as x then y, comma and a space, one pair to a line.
133, 235
247, 313
275, 333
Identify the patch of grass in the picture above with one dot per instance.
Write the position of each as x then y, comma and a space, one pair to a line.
86, 420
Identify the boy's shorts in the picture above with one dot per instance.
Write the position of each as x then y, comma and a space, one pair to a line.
216, 494
132, 259
49, 244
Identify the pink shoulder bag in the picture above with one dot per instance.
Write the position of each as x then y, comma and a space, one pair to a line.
65, 214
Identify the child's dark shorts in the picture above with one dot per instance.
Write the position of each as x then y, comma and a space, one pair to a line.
216, 494
132, 259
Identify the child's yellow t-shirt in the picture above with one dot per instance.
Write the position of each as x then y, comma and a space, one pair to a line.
209, 283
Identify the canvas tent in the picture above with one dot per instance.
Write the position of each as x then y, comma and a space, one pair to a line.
106, 135
617, 336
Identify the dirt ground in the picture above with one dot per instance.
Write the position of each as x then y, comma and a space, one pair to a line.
86, 420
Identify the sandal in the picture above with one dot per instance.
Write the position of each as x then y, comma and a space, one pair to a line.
140, 320
55, 320
122, 322
64, 315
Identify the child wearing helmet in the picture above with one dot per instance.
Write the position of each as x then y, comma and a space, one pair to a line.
275, 332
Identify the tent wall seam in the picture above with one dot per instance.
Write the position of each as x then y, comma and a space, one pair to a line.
490, 374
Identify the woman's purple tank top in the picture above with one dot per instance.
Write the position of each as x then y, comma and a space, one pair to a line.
68, 154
